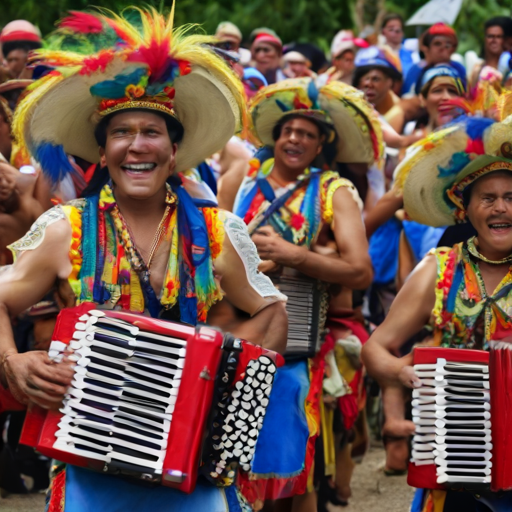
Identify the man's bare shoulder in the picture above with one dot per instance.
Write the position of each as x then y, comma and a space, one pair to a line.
51, 231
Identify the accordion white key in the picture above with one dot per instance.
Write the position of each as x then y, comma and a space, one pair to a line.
462, 414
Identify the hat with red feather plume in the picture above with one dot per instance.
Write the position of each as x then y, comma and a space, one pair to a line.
103, 63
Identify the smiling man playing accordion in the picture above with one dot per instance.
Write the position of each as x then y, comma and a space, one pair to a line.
460, 402
149, 103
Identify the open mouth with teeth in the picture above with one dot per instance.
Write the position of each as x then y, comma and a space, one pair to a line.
294, 153
500, 227
139, 168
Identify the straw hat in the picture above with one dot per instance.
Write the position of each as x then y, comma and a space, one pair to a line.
154, 67
338, 104
437, 169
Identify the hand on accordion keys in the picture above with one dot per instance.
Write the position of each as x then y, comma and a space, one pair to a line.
408, 377
141, 395
34, 377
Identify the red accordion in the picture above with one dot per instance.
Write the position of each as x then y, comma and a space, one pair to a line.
463, 414
145, 391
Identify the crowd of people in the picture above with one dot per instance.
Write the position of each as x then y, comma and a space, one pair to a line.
339, 211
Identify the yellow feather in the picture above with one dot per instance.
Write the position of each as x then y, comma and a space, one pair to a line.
505, 105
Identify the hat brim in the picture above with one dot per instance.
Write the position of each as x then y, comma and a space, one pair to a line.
66, 115
353, 118
424, 189
18, 83
390, 72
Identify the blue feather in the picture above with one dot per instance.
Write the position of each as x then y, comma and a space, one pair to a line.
115, 89
457, 163
53, 160
282, 106
476, 126
313, 93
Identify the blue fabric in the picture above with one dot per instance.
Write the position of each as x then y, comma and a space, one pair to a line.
421, 238
281, 447
206, 173
417, 501
406, 60
87, 491
415, 71
89, 242
411, 77
384, 251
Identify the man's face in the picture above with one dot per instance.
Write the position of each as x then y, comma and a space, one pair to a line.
375, 84
393, 32
266, 57
139, 154
299, 144
228, 42
298, 69
440, 50
16, 60
490, 212
494, 41
345, 62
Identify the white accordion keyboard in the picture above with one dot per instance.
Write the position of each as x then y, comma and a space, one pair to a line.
451, 411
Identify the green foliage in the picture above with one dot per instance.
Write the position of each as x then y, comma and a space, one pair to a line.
298, 20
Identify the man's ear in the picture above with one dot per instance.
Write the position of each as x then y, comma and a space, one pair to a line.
103, 159
172, 159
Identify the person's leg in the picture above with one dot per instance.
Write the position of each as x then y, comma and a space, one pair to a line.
304, 502
396, 430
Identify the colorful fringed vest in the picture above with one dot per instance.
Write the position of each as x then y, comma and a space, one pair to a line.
464, 315
107, 268
296, 212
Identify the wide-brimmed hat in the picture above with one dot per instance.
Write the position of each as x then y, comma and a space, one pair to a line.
437, 170
149, 66
16, 83
336, 104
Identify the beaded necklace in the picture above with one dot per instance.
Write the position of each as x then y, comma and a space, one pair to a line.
473, 250
111, 270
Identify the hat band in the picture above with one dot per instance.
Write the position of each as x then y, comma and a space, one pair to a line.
455, 193
138, 104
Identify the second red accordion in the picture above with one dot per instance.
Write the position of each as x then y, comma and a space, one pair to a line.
463, 417
145, 392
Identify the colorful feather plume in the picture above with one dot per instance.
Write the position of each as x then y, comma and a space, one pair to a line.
82, 22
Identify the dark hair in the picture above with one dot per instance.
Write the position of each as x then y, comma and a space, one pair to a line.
329, 149
390, 17
26, 46
504, 22
174, 127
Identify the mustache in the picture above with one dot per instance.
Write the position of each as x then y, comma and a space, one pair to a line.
499, 220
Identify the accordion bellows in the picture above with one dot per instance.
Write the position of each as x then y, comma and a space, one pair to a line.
144, 393
463, 413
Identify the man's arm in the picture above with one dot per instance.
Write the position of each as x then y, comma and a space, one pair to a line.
352, 268
234, 162
32, 376
251, 291
409, 313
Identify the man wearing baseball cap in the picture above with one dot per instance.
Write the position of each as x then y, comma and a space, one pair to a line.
438, 44
267, 49
375, 73
17, 38
343, 52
